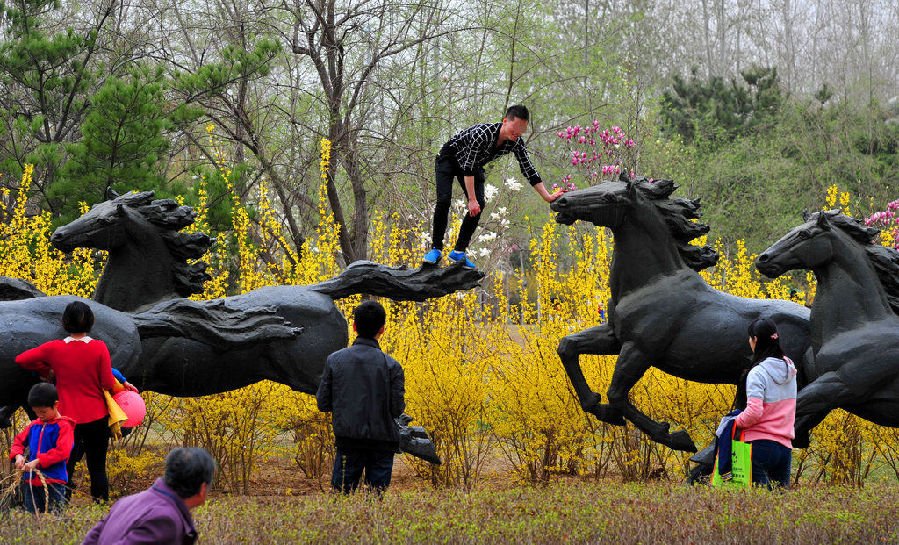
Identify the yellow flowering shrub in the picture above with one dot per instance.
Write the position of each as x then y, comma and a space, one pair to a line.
26, 253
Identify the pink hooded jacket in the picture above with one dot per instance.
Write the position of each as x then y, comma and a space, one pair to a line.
770, 402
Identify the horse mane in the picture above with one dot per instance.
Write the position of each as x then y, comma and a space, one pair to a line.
678, 215
214, 323
885, 260
171, 217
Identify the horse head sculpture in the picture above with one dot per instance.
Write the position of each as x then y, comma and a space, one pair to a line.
855, 327
611, 204
147, 253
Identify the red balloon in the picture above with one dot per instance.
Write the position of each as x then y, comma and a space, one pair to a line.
133, 405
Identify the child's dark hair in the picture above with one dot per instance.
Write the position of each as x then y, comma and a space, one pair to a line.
767, 343
77, 318
42, 394
518, 111
369, 318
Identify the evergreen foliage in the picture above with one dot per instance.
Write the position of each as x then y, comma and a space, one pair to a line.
719, 110
122, 143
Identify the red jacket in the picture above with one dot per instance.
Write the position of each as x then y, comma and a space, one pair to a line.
83, 370
50, 441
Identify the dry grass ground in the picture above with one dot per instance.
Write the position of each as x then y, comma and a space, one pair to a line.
566, 511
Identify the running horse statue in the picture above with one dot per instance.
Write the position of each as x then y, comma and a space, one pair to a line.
193, 348
855, 327
662, 313
187, 349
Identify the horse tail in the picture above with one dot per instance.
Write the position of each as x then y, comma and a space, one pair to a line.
399, 283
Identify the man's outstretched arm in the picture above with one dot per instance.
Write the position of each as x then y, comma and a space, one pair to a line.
546, 195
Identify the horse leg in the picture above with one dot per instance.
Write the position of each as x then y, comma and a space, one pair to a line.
596, 341
631, 366
6, 413
814, 403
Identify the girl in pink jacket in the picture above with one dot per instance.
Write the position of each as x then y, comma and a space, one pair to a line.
770, 414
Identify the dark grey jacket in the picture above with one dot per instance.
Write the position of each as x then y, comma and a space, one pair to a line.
365, 389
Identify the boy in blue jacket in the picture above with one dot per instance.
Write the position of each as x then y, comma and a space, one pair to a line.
48, 442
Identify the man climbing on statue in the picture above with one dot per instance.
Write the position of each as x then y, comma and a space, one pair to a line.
463, 159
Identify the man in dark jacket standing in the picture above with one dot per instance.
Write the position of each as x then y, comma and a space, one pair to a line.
160, 514
365, 390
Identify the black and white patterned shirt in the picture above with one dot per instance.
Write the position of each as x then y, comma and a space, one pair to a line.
475, 146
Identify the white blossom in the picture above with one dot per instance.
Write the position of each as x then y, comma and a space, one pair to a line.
486, 236
512, 184
482, 252
490, 191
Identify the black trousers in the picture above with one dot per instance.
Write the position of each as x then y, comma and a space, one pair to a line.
350, 462
91, 442
446, 170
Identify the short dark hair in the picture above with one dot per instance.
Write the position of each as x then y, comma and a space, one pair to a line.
77, 318
767, 343
186, 469
369, 318
518, 111
42, 394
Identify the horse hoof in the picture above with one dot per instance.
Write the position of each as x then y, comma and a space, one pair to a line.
6, 413
680, 440
592, 401
607, 414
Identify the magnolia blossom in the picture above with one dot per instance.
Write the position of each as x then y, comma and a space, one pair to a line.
482, 252
490, 191
487, 236
512, 184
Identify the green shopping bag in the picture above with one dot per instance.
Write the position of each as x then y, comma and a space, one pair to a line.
740, 475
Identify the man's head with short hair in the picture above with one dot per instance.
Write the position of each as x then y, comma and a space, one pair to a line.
518, 111
187, 470
77, 318
369, 319
515, 123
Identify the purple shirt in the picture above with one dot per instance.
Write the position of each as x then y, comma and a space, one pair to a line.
156, 515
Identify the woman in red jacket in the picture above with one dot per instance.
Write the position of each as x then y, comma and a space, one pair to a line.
82, 370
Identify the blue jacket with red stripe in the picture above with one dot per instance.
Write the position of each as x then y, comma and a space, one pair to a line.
51, 443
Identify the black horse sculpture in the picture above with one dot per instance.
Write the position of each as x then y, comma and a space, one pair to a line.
662, 313
143, 231
855, 329
280, 333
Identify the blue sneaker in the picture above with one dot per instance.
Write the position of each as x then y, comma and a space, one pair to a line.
433, 257
459, 257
